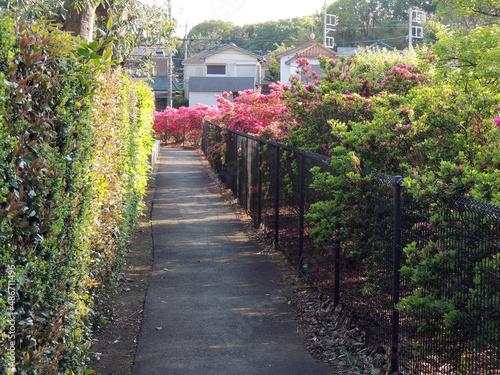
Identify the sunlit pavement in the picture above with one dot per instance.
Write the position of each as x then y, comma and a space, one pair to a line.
213, 305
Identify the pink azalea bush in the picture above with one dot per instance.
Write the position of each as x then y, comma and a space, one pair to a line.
388, 113
395, 119
185, 123
250, 112
255, 113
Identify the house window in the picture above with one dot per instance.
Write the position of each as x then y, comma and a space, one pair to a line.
216, 69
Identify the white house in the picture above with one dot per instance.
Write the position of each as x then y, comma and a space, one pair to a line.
226, 69
310, 50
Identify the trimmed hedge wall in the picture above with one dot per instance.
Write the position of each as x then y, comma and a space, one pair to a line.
74, 148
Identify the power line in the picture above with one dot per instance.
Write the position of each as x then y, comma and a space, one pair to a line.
374, 40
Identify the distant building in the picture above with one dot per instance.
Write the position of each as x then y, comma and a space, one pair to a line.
228, 68
347, 51
378, 45
310, 50
159, 73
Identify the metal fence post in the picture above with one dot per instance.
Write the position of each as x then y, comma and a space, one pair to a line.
396, 274
336, 290
277, 198
218, 140
203, 137
184, 133
302, 207
259, 161
166, 130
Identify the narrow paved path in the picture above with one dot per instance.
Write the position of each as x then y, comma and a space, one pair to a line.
213, 306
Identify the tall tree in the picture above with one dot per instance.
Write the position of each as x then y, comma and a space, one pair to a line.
267, 36
362, 22
81, 18
209, 34
398, 9
74, 16
484, 7
470, 55
122, 24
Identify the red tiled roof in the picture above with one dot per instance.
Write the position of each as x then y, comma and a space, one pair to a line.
309, 50
296, 49
317, 50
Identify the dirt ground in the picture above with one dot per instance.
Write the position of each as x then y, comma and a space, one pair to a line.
115, 343
330, 334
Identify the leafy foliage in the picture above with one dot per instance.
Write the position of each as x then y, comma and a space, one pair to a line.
484, 7
399, 115
120, 25
475, 61
52, 214
45, 168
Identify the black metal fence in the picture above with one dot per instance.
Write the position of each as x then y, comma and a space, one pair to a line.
449, 318
183, 130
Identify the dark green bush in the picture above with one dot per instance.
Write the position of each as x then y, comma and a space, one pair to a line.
55, 281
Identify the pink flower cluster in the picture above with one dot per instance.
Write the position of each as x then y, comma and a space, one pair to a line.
250, 112
184, 123
254, 113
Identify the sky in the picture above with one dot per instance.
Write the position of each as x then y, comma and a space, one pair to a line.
240, 12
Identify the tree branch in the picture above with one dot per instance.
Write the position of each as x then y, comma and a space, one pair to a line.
492, 13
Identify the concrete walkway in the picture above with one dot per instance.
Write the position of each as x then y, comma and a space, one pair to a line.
213, 306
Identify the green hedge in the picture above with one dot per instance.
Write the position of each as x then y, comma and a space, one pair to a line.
62, 179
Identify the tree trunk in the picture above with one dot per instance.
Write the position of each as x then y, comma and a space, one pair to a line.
81, 23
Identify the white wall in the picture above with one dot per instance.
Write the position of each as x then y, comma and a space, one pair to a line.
206, 98
289, 70
238, 64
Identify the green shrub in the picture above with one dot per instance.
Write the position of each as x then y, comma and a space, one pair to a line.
45, 169
73, 163
123, 140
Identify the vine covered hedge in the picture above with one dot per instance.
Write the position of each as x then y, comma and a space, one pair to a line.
73, 162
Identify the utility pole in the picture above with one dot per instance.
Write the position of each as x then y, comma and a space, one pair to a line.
185, 57
170, 68
415, 32
186, 42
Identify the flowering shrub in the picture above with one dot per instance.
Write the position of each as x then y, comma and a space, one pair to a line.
443, 139
396, 121
254, 113
250, 112
184, 123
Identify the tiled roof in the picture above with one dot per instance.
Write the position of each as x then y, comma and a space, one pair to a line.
200, 57
317, 50
160, 83
296, 49
220, 84
197, 59
310, 50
